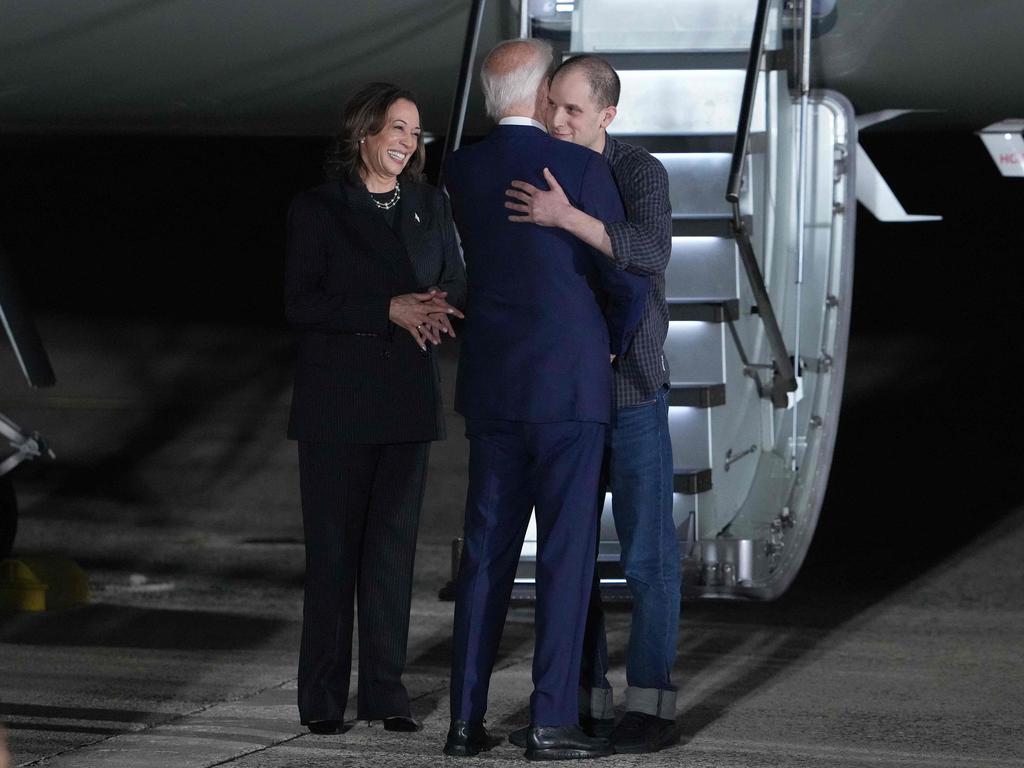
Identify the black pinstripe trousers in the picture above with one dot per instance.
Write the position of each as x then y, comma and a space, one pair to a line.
360, 512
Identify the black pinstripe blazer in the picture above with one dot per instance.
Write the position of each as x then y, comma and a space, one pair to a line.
360, 378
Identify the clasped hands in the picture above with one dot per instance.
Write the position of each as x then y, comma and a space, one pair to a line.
424, 315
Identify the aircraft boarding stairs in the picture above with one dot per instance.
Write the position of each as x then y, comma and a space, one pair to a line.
751, 460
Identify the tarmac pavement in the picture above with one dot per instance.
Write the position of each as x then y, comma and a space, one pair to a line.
174, 488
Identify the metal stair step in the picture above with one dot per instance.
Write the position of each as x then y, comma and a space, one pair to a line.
736, 58
711, 311
693, 101
697, 183
676, 143
702, 226
697, 395
701, 269
689, 429
691, 481
694, 352
659, 25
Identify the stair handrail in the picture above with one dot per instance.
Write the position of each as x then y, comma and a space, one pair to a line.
739, 152
453, 139
784, 378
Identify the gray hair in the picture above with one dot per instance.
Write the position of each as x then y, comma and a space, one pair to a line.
512, 73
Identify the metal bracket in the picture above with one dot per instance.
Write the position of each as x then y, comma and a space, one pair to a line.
731, 459
26, 445
821, 364
749, 368
842, 159
784, 378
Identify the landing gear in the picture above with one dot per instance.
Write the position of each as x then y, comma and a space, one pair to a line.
8, 516
27, 446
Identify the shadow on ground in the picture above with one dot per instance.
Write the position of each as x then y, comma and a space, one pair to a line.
113, 626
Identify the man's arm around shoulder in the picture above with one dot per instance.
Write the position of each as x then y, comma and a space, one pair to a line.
642, 242
627, 293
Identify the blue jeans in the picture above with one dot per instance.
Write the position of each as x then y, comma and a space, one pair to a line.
638, 467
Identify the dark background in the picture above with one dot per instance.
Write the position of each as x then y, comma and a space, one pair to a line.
154, 226
126, 230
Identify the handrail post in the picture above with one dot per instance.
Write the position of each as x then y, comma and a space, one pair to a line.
454, 136
784, 379
732, 193
805, 47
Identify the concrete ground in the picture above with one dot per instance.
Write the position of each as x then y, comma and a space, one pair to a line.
899, 645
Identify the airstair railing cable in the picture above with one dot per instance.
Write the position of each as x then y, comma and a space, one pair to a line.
454, 136
784, 379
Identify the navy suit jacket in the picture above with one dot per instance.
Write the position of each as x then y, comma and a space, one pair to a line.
544, 310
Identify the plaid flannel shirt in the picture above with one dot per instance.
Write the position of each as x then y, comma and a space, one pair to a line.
642, 244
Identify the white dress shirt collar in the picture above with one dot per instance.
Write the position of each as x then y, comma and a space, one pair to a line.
522, 121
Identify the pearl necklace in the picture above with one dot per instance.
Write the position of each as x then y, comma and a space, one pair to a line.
390, 203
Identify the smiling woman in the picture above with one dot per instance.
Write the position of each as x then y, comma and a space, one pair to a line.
372, 274
379, 118
385, 154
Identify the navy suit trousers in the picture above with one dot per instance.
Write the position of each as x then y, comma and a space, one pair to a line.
515, 467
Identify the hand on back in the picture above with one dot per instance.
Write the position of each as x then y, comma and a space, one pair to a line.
546, 208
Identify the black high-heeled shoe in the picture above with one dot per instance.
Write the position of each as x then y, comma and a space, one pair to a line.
324, 726
402, 723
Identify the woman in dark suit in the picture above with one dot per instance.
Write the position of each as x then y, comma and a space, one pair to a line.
373, 275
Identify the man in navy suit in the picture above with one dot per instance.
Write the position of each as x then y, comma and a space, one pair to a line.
544, 312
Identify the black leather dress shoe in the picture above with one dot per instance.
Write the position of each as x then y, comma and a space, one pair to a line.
592, 726
401, 723
564, 742
324, 726
639, 732
466, 739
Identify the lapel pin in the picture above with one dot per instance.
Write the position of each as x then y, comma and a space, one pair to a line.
417, 217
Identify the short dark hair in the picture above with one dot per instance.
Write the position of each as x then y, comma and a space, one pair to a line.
364, 116
604, 81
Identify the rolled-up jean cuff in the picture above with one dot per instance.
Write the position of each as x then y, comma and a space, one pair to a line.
652, 701
597, 703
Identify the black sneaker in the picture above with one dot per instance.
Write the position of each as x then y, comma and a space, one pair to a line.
517, 738
597, 726
639, 732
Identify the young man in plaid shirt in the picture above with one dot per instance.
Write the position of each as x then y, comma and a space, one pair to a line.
582, 103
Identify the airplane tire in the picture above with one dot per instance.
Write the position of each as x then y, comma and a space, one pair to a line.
8, 516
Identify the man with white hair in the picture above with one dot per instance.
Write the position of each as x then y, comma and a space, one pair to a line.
544, 312
582, 102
